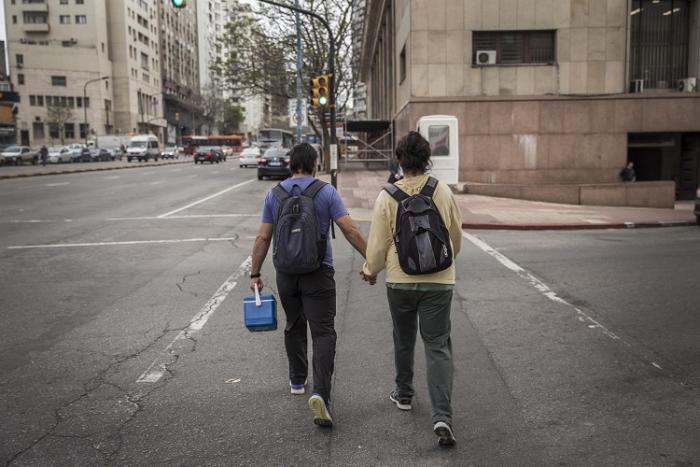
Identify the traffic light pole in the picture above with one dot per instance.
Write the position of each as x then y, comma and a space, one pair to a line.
331, 70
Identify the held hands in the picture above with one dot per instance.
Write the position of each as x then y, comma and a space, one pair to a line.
371, 279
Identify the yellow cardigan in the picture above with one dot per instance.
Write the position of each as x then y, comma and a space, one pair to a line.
381, 252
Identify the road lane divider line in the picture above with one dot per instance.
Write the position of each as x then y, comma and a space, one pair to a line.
545, 290
57, 184
537, 284
157, 369
191, 216
132, 242
203, 200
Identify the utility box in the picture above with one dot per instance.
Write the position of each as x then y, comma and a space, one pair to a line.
442, 132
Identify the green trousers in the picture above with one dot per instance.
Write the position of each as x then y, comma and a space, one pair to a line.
428, 310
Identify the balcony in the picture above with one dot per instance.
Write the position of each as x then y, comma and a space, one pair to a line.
36, 27
38, 7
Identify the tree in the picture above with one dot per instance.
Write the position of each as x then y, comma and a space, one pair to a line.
233, 117
261, 47
212, 105
59, 115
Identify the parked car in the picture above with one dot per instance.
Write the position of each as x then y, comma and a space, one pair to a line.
143, 148
115, 154
209, 154
99, 154
697, 206
18, 155
274, 163
249, 156
170, 152
79, 153
58, 155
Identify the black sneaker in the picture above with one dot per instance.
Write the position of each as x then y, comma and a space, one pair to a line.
444, 434
402, 402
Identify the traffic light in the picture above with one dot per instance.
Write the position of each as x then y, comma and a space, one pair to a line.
320, 91
179, 3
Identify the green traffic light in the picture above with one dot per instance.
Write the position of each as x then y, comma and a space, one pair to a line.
179, 3
323, 100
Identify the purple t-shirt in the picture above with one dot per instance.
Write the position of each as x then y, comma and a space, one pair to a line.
328, 204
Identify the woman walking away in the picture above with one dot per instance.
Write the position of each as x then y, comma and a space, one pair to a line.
416, 241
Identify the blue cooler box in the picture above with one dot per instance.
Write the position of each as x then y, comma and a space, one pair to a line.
263, 317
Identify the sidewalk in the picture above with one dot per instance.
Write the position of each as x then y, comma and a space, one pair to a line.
13, 171
360, 188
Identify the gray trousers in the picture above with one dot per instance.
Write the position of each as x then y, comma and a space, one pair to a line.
431, 311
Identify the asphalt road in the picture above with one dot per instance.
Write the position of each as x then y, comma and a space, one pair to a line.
122, 340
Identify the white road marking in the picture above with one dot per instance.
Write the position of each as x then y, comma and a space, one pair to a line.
38, 221
203, 200
57, 184
581, 315
134, 242
147, 173
157, 369
176, 170
112, 177
157, 182
192, 216
538, 284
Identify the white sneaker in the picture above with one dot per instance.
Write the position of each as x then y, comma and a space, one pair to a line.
322, 415
297, 388
444, 434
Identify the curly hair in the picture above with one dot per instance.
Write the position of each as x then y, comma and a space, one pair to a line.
302, 158
413, 153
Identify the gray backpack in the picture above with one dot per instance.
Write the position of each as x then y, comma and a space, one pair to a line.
299, 247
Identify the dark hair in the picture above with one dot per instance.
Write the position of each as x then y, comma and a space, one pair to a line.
302, 158
413, 152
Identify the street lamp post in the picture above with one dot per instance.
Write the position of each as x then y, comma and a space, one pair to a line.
85, 123
331, 70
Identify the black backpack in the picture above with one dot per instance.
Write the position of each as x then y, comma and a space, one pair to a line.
422, 240
299, 247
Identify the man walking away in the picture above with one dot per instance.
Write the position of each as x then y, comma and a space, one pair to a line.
416, 298
628, 174
297, 214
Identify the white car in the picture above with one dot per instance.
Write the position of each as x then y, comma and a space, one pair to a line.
58, 155
249, 157
18, 155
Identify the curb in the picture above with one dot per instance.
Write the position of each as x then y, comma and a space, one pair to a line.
623, 225
95, 169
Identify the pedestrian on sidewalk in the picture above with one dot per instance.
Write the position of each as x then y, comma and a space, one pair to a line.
628, 174
43, 155
417, 301
297, 215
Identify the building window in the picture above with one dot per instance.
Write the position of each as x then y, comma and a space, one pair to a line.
64, 19
58, 81
80, 19
64, 2
79, 2
53, 130
19, 58
32, 100
14, 19
35, 18
40, 101
402, 65
659, 42
69, 130
79, 102
71, 102
83, 130
38, 130
87, 102
516, 47
20, 78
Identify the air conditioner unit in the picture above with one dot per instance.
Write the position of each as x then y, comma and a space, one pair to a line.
637, 85
485, 57
688, 85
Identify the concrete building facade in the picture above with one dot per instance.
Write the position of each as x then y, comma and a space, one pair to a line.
541, 89
179, 67
54, 48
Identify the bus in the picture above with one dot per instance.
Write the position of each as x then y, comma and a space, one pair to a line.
230, 144
268, 137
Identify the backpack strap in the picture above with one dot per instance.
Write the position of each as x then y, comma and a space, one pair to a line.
280, 193
429, 187
397, 193
314, 187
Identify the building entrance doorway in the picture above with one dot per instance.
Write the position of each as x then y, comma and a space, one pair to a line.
667, 156
24, 137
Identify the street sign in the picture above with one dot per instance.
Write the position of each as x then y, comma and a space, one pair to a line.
292, 110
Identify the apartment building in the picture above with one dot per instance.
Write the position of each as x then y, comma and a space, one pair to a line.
553, 97
212, 17
134, 46
179, 68
55, 48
